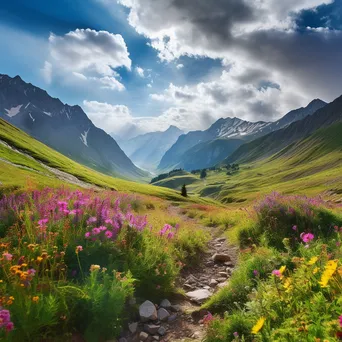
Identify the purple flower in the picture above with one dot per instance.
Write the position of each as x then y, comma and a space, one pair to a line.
42, 223
307, 237
91, 220
256, 273
276, 273
236, 334
108, 234
294, 228
31, 271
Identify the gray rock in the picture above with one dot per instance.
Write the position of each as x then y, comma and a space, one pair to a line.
151, 328
213, 283
172, 318
224, 284
156, 337
147, 311
163, 314
199, 296
162, 331
133, 327
221, 257
222, 279
191, 279
223, 274
143, 336
221, 239
206, 287
165, 304
176, 308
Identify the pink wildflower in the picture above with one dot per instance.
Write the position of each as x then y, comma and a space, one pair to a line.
340, 320
31, 271
9, 326
294, 228
276, 273
87, 234
307, 237
43, 222
102, 228
96, 231
91, 220
79, 249
109, 221
108, 234
7, 256
208, 318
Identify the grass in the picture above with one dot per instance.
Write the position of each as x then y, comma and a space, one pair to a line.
311, 166
42, 153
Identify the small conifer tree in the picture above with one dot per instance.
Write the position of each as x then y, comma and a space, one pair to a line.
184, 192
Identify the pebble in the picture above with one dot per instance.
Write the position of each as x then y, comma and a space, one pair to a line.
143, 336
199, 296
162, 331
151, 328
165, 304
163, 314
221, 257
213, 283
133, 327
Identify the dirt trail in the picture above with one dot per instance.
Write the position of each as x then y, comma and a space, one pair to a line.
208, 275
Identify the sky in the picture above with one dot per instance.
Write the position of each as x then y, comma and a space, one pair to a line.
137, 66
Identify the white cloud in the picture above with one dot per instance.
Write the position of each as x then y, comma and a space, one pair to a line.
140, 71
180, 66
47, 72
90, 55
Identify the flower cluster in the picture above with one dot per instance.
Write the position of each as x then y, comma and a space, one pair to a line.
5, 320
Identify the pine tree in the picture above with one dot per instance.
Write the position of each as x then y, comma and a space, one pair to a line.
184, 192
203, 173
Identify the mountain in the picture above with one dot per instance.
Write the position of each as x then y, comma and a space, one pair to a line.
221, 129
147, 150
196, 149
65, 128
275, 141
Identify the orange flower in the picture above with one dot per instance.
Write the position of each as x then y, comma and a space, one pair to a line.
35, 299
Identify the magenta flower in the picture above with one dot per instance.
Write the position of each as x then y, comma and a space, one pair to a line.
256, 273
43, 222
7, 256
87, 234
96, 231
276, 273
9, 326
340, 320
294, 228
109, 221
208, 318
108, 234
102, 228
31, 271
307, 237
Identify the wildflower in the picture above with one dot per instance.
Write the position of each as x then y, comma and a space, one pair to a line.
39, 258
279, 273
276, 273
7, 256
94, 268
78, 249
108, 234
35, 299
316, 269
340, 320
294, 228
9, 326
313, 260
287, 284
42, 223
307, 237
236, 334
329, 271
282, 269
208, 318
96, 231
91, 220
259, 324
87, 234
31, 271
255, 273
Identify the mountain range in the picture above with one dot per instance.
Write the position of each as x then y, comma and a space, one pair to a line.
147, 150
65, 128
202, 149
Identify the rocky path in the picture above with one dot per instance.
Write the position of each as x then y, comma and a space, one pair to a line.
180, 319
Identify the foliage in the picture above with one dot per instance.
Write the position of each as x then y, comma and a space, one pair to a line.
284, 292
203, 174
184, 192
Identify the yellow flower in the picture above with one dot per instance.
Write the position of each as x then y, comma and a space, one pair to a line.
35, 299
94, 268
313, 260
282, 269
39, 259
329, 271
259, 324
315, 270
287, 284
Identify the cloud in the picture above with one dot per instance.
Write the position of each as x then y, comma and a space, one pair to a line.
89, 55
179, 66
270, 66
140, 71
47, 72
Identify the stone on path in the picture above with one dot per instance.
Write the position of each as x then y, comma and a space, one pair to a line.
213, 283
199, 296
161, 331
163, 314
165, 304
133, 327
143, 336
218, 257
151, 328
147, 311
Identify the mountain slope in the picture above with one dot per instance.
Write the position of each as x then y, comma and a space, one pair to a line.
274, 142
147, 150
65, 128
180, 153
223, 128
28, 163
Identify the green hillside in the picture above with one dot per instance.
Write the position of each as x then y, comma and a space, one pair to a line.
17, 169
311, 166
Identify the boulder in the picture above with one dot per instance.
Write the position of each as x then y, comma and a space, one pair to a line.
199, 296
143, 336
165, 304
218, 257
151, 328
163, 314
147, 311
132, 327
